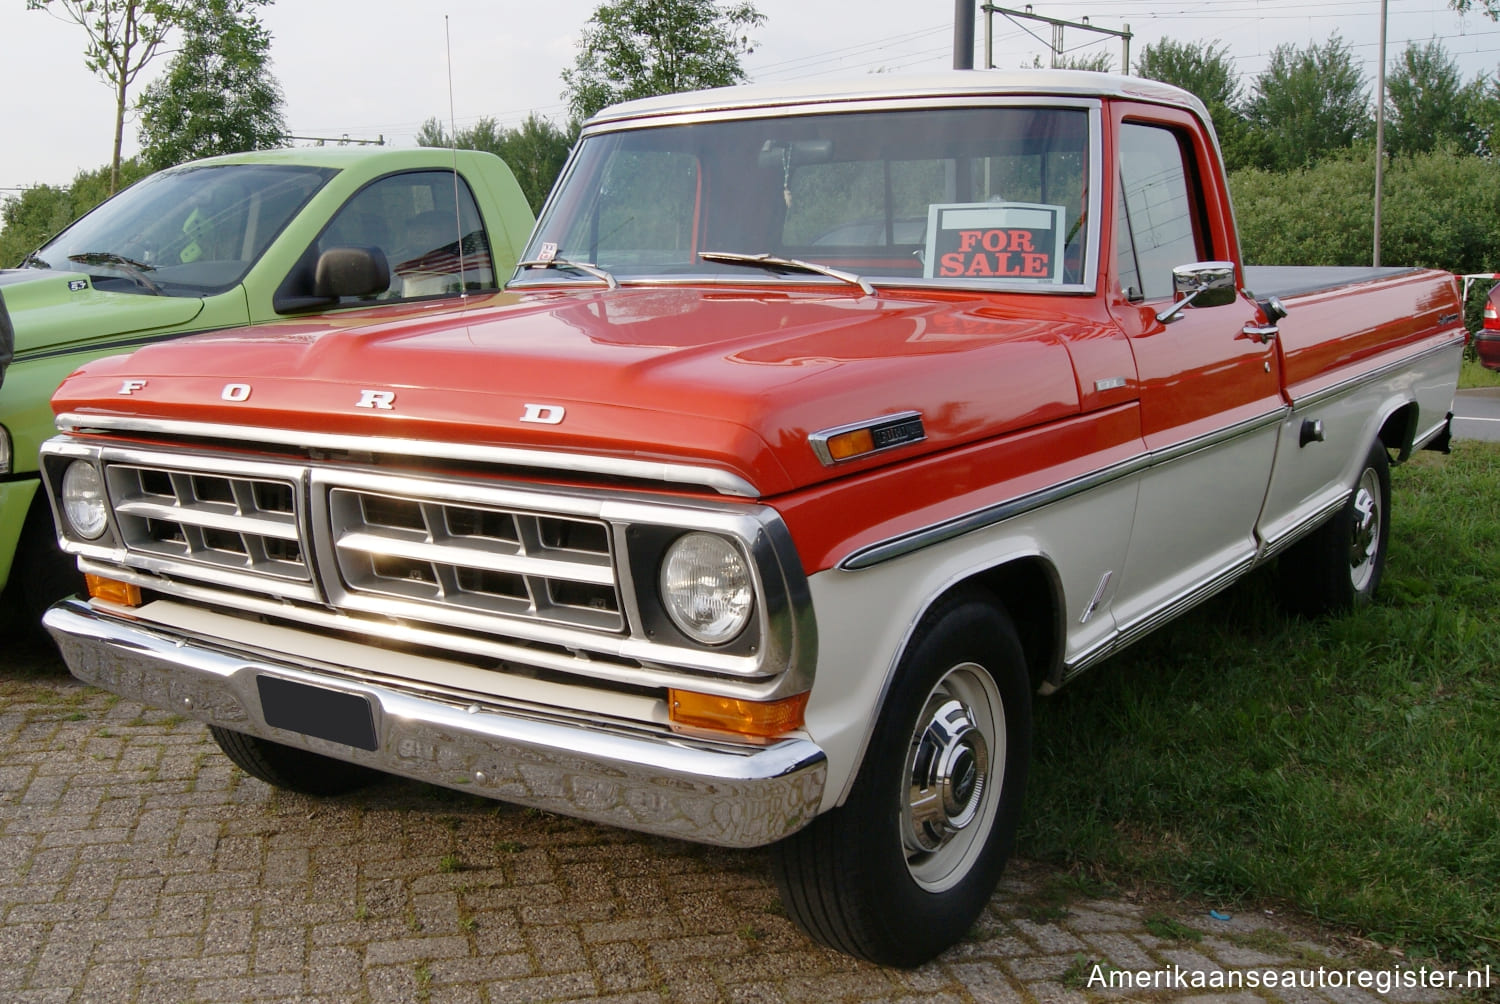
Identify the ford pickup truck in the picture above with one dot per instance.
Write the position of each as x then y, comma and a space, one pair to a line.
820, 429
221, 243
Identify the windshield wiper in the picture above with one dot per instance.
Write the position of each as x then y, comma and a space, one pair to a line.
778, 264
582, 266
136, 270
34, 260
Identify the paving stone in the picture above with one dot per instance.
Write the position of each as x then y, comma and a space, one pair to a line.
139, 865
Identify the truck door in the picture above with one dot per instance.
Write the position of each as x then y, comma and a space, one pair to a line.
1209, 391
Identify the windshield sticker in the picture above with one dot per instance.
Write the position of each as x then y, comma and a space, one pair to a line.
995, 240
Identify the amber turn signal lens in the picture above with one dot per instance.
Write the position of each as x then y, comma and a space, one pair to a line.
123, 593
760, 719
851, 444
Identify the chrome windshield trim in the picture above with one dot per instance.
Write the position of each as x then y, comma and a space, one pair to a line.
1086, 94
915, 540
691, 475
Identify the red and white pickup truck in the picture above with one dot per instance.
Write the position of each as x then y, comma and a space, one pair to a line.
819, 431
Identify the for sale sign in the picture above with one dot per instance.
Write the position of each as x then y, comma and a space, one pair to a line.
995, 240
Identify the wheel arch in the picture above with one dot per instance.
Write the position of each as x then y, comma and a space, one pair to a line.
1398, 428
1025, 586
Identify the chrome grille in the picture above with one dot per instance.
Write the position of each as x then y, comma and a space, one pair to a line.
483, 559
242, 524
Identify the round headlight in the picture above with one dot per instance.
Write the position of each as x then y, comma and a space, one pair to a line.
707, 588
83, 499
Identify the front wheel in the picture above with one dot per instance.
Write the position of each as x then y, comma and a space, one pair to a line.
1338, 566
902, 869
283, 766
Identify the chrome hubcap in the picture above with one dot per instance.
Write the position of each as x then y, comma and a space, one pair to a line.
1366, 534
955, 758
949, 770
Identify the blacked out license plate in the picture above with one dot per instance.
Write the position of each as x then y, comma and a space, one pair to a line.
313, 711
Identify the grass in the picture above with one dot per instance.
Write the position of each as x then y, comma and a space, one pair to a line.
1473, 375
1344, 766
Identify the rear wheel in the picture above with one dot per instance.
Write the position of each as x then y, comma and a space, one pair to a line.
287, 767
1339, 565
902, 869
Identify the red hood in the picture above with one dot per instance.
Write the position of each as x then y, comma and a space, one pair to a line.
734, 379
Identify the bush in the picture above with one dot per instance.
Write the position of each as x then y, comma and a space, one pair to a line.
1440, 210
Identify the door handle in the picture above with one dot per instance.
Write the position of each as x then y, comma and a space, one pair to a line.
1262, 333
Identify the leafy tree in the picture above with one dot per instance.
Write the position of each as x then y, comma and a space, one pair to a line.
1308, 103
1099, 62
29, 219
218, 94
534, 151
1490, 7
1206, 70
123, 36
638, 48
1202, 68
1427, 104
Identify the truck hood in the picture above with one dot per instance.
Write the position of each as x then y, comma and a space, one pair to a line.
734, 379
51, 309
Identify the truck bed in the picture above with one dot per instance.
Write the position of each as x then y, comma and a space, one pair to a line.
1295, 280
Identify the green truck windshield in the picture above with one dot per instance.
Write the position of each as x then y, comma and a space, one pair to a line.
194, 231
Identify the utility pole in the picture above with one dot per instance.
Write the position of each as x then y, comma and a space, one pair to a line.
963, 34
1379, 134
990, 10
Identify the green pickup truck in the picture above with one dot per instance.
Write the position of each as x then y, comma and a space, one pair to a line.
220, 243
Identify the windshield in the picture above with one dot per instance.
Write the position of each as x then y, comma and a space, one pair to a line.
980, 196
187, 232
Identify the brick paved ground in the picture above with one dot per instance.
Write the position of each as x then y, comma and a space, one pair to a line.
137, 865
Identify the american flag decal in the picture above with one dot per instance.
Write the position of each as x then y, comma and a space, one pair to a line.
446, 260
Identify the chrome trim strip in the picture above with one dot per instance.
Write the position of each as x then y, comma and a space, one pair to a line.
915, 540
722, 482
1353, 383
1140, 627
638, 777
1422, 440
1272, 546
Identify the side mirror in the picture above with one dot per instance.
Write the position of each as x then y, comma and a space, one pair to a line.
1201, 284
351, 271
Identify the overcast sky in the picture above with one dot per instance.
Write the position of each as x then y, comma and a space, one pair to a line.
371, 68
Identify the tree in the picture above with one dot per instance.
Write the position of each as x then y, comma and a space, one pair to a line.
1308, 103
39, 212
1427, 104
1490, 7
534, 151
637, 48
1201, 68
1206, 70
123, 36
218, 94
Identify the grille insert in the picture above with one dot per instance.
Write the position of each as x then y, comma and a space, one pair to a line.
475, 558
234, 523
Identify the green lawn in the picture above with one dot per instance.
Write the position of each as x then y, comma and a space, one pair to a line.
1347, 767
1475, 375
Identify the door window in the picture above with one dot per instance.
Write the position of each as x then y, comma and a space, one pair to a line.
433, 245
1158, 225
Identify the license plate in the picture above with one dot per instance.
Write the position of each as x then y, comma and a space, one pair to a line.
313, 711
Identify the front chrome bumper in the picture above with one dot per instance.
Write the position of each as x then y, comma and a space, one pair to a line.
634, 777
